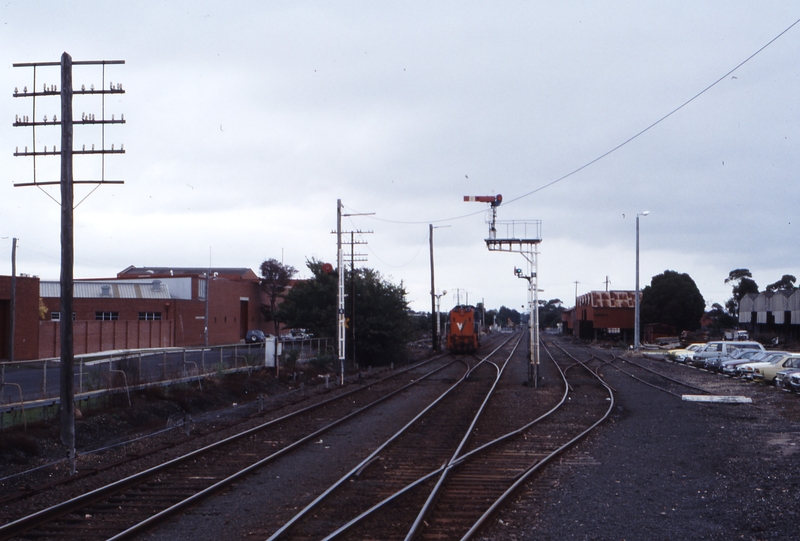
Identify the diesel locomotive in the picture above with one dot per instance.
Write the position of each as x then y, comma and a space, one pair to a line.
463, 333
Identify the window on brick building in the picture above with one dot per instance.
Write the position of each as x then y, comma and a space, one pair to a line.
149, 316
106, 316
56, 316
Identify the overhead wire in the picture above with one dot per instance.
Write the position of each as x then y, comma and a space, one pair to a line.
612, 150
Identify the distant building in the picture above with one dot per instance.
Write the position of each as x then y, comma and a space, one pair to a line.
26, 318
771, 312
601, 315
142, 307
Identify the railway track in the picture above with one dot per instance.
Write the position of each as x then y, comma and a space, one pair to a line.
643, 371
455, 466
129, 505
452, 497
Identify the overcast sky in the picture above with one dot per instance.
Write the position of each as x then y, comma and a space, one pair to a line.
246, 121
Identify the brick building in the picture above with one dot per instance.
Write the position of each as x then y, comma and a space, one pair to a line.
141, 307
26, 320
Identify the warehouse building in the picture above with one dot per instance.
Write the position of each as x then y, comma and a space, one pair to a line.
771, 312
142, 307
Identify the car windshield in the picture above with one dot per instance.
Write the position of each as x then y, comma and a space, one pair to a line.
762, 356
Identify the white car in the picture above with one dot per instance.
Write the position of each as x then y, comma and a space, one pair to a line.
681, 355
721, 348
747, 370
767, 372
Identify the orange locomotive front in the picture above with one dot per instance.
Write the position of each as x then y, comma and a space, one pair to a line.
462, 330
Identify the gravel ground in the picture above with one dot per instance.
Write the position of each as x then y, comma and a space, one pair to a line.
660, 468
663, 468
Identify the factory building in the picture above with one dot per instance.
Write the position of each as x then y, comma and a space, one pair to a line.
142, 307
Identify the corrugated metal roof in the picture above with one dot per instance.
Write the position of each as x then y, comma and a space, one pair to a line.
109, 289
608, 299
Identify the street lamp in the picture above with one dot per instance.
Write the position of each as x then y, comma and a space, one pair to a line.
636, 299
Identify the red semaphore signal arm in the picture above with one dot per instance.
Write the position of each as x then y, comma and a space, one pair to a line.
495, 200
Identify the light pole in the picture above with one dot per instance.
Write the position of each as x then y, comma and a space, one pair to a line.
636, 299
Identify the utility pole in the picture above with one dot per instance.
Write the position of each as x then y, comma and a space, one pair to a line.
636, 301
67, 182
354, 257
341, 319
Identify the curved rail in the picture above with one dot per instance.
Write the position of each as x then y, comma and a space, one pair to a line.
523, 479
651, 371
459, 460
51, 513
295, 520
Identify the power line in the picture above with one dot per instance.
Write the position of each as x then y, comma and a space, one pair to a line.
657, 122
614, 149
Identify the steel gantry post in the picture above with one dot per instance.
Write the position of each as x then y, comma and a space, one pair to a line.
521, 237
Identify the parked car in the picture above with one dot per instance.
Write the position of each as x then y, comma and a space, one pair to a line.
680, 355
255, 336
766, 372
729, 367
714, 364
747, 370
783, 378
794, 382
721, 348
297, 334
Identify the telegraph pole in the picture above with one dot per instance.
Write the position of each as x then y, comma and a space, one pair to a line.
436, 343
67, 182
341, 319
354, 257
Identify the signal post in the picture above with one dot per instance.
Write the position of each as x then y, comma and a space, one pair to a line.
521, 237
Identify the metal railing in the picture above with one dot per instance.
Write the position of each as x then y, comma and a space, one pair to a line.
36, 383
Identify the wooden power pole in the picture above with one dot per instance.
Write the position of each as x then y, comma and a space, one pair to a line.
67, 182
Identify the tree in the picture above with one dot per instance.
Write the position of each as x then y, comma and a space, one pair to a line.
275, 278
382, 324
491, 316
673, 298
506, 315
311, 304
743, 283
550, 313
786, 283
720, 319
